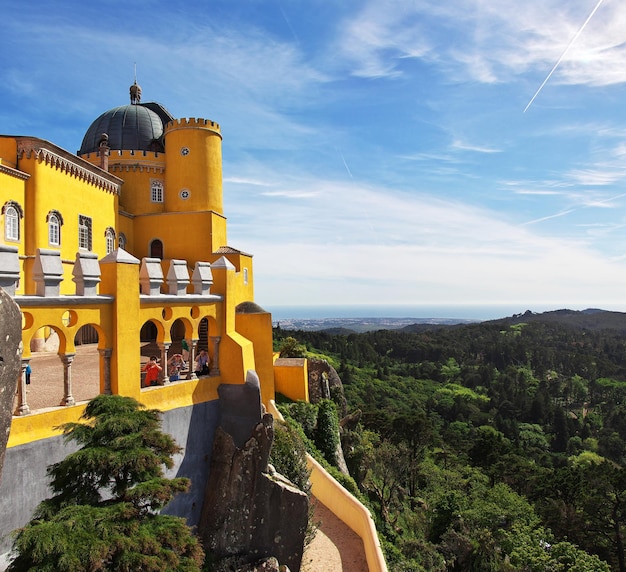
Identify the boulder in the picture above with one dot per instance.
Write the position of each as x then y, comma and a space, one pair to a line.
248, 512
10, 364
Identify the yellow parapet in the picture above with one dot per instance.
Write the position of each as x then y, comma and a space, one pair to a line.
291, 378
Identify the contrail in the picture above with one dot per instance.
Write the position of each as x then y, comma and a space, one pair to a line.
344, 163
563, 54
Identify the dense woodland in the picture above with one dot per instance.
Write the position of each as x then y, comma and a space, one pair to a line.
494, 446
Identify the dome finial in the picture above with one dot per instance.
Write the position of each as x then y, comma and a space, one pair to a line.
135, 90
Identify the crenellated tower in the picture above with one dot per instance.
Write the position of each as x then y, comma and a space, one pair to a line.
193, 174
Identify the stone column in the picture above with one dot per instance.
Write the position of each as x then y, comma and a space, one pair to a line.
68, 398
165, 378
105, 355
22, 406
191, 343
215, 367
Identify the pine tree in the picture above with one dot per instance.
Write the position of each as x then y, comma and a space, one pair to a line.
107, 494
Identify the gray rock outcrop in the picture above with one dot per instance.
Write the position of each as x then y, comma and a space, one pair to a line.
325, 383
10, 364
249, 512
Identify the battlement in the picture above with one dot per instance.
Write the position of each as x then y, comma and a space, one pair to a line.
193, 123
121, 153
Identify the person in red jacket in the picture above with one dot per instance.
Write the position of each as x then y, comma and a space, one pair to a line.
152, 369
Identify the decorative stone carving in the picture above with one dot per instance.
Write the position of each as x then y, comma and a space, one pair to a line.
151, 276
86, 273
178, 277
10, 364
9, 268
48, 272
202, 278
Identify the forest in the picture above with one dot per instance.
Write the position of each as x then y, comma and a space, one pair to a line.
496, 446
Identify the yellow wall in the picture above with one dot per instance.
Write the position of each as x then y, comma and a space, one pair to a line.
71, 197
12, 188
189, 236
138, 170
291, 378
258, 329
8, 151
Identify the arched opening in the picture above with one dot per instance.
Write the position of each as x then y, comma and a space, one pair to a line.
156, 249
148, 337
179, 353
86, 382
56, 377
207, 348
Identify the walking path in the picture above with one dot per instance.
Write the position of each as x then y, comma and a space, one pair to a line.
335, 548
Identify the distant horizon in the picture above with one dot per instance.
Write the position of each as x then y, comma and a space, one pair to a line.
478, 312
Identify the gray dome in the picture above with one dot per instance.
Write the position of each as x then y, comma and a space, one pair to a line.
129, 127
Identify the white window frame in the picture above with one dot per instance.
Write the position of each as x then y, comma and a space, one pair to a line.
54, 230
109, 237
121, 241
11, 224
84, 232
156, 191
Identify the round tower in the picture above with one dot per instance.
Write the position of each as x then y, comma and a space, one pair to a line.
193, 173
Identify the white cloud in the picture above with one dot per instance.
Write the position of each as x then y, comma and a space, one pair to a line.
486, 41
463, 146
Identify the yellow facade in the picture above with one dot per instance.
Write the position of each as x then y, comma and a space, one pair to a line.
133, 203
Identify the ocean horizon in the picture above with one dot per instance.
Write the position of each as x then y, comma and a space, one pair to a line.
477, 312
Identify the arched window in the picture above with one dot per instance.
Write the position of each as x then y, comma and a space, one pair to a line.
156, 249
55, 221
12, 214
109, 235
11, 224
84, 232
121, 241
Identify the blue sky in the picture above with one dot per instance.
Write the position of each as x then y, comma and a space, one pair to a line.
375, 152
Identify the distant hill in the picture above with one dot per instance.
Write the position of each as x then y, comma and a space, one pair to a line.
590, 319
346, 326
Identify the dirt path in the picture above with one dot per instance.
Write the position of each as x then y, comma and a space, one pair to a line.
335, 548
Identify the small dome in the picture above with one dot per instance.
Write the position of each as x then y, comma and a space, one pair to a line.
129, 127
249, 308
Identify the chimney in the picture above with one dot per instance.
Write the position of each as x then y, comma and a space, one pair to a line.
104, 152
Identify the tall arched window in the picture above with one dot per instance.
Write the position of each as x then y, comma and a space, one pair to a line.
156, 249
55, 221
109, 235
121, 241
11, 224
84, 232
12, 212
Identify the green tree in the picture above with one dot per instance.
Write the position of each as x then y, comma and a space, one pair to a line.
103, 515
327, 437
291, 348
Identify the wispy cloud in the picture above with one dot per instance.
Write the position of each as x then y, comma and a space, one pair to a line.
463, 146
244, 181
496, 40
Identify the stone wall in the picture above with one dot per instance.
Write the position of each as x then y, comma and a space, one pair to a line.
25, 484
